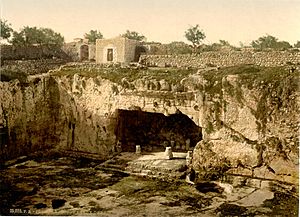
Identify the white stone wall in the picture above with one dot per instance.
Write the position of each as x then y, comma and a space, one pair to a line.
123, 50
92, 52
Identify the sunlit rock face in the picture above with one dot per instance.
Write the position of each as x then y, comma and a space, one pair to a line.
248, 124
29, 114
251, 128
98, 114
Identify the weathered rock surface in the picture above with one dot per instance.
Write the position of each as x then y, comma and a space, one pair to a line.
249, 122
74, 188
28, 116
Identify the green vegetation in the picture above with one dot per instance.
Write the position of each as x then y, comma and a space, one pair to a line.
195, 36
178, 47
268, 41
275, 86
36, 36
93, 35
134, 35
217, 46
5, 29
283, 204
176, 194
116, 75
8, 75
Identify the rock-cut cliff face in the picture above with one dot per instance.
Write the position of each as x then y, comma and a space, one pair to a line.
28, 116
46, 112
251, 123
244, 119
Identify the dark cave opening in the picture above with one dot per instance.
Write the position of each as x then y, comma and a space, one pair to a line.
155, 131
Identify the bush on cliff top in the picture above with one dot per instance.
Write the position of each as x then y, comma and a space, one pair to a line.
8, 75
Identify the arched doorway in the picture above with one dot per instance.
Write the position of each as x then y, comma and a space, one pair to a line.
84, 52
139, 50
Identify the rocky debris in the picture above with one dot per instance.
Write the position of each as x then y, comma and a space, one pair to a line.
227, 209
164, 85
75, 204
216, 158
71, 191
27, 188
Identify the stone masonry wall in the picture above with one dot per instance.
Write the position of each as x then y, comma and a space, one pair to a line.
223, 59
9, 52
31, 67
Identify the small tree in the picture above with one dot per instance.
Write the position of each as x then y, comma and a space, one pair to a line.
134, 35
5, 29
93, 35
195, 35
269, 41
297, 44
178, 47
224, 43
33, 35
18, 39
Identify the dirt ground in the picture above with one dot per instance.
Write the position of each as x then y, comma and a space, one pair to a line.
72, 186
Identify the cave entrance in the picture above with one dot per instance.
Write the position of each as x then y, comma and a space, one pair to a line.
155, 131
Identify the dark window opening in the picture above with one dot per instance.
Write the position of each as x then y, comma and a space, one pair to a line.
110, 55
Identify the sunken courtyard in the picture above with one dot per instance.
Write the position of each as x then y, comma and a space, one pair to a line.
150, 138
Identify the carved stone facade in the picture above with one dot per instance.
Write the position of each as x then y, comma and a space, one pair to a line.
116, 50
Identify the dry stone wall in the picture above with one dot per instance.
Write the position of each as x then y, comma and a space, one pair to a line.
223, 59
31, 67
9, 52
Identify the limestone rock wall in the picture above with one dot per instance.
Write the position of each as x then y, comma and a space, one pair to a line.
86, 119
222, 59
28, 116
251, 129
89, 107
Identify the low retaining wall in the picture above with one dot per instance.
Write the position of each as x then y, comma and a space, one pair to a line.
9, 52
223, 59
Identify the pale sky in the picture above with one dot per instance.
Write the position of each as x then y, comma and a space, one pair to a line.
160, 20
